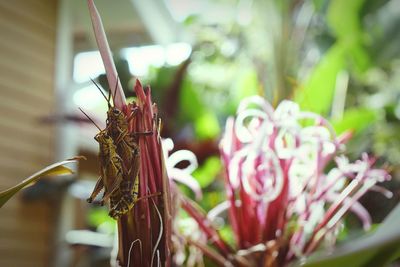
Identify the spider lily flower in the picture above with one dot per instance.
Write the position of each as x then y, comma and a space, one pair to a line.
283, 201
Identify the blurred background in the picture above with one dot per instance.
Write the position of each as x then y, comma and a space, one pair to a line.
200, 57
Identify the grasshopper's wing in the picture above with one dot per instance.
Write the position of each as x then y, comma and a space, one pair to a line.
113, 187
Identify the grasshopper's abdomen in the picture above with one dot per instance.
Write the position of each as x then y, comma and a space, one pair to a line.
124, 200
125, 197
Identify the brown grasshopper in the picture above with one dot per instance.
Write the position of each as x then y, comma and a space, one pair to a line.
111, 170
123, 199
121, 191
118, 128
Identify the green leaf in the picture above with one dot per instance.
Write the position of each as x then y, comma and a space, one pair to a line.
348, 51
52, 170
317, 93
206, 174
376, 249
190, 101
355, 119
246, 84
98, 217
344, 18
206, 126
227, 235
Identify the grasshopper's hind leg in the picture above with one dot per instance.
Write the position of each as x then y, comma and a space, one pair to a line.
97, 188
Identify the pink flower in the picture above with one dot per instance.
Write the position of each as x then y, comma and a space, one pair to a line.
281, 200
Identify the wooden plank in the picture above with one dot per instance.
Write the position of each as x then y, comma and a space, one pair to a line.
24, 231
37, 245
22, 208
22, 89
23, 54
27, 52
35, 147
23, 261
25, 223
24, 44
12, 35
17, 66
16, 251
29, 31
8, 66
21, 108
15, 71
38, 159
16, 149
26, 125
30, 12
22, 234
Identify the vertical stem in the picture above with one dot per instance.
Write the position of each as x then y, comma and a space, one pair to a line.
106, 56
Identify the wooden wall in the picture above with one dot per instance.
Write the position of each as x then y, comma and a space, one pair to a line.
27, 50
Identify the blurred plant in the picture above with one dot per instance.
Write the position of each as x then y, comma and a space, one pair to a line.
287, 186
333, 58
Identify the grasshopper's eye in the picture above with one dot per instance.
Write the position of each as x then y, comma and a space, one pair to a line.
116, 112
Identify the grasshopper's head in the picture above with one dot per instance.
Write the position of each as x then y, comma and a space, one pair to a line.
115, 115
103, 138
116, 119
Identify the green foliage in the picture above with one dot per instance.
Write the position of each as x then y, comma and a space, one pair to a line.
246, 84
207, 126
318, 91
356, 120
206, 173
99, 218
228, 235
344, 18
190, 101
348, 52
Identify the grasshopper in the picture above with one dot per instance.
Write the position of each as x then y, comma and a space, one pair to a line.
111, 165
118, 128
123, 199
121, 191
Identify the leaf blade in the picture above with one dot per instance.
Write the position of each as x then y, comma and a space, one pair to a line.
53, 169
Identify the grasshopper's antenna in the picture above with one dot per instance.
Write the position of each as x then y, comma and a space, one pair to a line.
90, 119
115, 89
101, 91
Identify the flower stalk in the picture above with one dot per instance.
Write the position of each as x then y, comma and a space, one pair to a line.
144, 232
